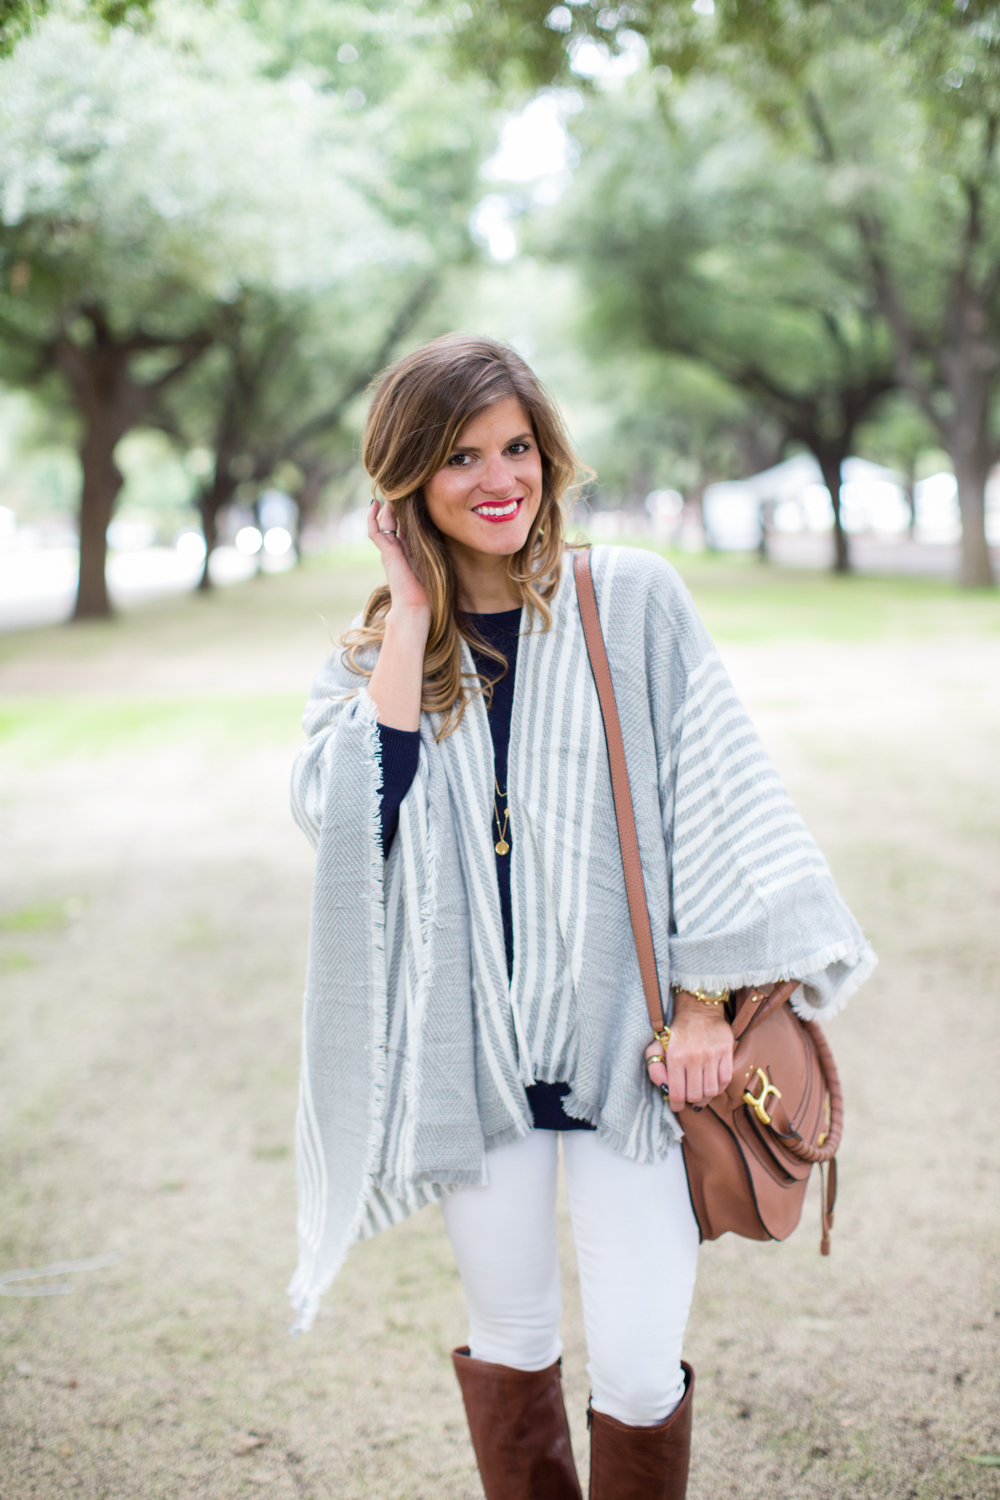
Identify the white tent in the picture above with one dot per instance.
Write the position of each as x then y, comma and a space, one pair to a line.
871, 498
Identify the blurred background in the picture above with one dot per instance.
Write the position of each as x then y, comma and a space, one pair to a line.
754, 251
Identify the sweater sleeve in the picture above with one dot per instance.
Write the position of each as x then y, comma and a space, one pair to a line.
400, 752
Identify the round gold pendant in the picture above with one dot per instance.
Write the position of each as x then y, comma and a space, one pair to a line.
502, 846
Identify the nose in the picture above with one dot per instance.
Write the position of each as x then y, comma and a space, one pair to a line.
498, 478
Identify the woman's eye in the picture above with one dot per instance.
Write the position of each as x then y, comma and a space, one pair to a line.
517, 449
457, 461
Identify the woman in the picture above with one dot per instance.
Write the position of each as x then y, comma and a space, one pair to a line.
473, 992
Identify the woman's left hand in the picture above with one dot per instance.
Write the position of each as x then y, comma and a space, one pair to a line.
699, 1054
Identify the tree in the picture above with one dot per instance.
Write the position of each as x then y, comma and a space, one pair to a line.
899, 102
276, 389
145, 182
898, 436
289, 366
697, 238
676, 425
18, 16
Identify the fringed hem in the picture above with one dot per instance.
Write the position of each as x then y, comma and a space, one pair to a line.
306, 1296
836, 1002
808, 966
509, 1135
368, 708
444, 1180
579, 1109
627, 1145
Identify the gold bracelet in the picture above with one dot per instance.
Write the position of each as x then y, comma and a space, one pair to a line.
707, 997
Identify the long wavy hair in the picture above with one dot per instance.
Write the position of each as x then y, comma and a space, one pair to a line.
419, 407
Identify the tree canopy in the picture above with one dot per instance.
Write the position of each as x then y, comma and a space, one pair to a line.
158, 188
889, 110
783, 224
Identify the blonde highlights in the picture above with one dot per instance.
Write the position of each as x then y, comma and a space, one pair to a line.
419, 407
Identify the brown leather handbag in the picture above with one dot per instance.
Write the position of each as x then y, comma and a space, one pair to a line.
749, 1151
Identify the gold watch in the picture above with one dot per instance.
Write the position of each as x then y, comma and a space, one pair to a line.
707, 997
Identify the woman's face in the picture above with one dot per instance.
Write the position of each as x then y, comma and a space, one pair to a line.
487, 494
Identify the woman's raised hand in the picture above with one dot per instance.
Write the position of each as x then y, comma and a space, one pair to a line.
699, 1055
396, 684
408, 594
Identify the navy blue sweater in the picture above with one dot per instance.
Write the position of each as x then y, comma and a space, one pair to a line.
400, 751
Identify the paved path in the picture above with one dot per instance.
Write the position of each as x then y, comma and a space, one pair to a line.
39, 587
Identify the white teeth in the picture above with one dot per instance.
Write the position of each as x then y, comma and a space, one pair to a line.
496, 510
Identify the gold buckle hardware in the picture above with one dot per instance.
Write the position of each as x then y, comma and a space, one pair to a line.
757, 1104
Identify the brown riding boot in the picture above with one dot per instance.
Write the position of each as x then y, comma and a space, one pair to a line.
641, 1463
519, 1430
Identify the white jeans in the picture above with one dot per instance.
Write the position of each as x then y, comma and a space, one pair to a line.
636, 1246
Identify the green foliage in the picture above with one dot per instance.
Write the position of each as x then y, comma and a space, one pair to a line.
273, 401
155, 174
696, 235
39, 473
200, 184
677, 425
159, 486
699, 238
899, 436
947, 53
18, 16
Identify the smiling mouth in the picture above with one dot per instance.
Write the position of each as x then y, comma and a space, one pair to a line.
499, 510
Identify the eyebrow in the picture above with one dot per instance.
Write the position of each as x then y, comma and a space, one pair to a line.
471, 447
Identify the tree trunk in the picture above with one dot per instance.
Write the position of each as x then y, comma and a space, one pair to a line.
110, 405
210, 503
830, 468
695, 498
307, 496
102, 480
967, 367
210, 531
976, 566
766, 522
910, 493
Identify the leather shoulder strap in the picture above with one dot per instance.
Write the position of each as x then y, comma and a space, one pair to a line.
627, 836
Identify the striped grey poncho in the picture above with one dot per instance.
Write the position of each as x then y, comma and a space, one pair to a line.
416, 1049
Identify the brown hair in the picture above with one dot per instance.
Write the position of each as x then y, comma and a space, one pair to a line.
419, 407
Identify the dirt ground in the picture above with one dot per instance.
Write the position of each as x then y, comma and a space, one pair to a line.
154, 900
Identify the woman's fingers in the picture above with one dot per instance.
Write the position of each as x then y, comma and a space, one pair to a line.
374, 531
656, 1070
381, 531
407, 592
699, 1086
699, 1058
681, 1080
690, 1080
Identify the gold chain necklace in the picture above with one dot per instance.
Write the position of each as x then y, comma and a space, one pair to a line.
501, 845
